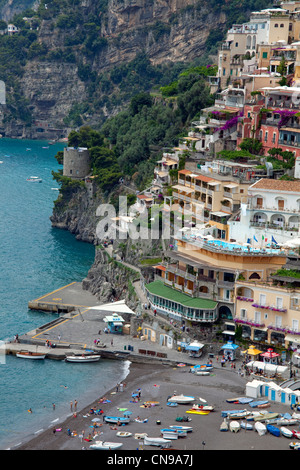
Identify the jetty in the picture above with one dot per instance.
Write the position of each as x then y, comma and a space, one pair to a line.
78, 329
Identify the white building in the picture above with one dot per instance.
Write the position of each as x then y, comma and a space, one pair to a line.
271, 213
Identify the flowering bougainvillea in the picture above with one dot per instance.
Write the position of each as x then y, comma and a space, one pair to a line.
285, 116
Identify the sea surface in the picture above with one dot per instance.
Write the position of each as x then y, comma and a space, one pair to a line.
35, 260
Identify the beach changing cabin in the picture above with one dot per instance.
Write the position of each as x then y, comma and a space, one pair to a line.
114, 323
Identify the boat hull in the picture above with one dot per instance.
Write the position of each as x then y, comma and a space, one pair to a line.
157, 441
33, 356
81, 359
116, 420
103, 445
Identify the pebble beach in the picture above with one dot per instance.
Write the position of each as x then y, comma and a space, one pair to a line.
157, 383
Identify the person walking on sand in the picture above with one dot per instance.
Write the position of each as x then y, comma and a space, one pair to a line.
112, 342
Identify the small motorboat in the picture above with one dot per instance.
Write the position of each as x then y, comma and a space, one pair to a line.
202, 372
170, 433
260, 428
181, 428
117, 419
140, 435
294, 445
34, 179
181, 399
296, 434
172, 404
83, 358
246, 425
203, 407
234, 426
123, 434
266, 416
224, 425
197, 412
106, 445
30, 355
157, 441
235, 413
286, 432
273, 430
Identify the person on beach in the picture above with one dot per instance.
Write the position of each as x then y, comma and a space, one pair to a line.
75, 405
71, 406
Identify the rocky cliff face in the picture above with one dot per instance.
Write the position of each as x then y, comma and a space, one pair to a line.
167, 30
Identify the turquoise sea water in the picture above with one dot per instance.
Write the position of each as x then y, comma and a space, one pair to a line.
37, 259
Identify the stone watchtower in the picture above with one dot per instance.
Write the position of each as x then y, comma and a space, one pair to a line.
77, 163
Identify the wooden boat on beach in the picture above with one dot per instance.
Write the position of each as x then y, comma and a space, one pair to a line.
106, 445
198, 412
266, 416
123, 434
181, 399
260, 428
286, 432
171, 433
234, 426
224, 425
273, 430
246, 425
116, 419
203, 407
30, 355
181, 428
157, 441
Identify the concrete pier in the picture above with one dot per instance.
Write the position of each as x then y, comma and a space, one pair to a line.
77, 328
65, 299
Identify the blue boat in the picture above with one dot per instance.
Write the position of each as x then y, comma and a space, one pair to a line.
254, 404
246, 425
172, 403
273, 430
116, 419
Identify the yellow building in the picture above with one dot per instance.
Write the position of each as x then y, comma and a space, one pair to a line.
269, 311
208, 199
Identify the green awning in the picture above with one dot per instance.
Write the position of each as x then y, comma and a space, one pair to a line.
159, 289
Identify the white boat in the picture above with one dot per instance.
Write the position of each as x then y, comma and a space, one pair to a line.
172, 433
117, 419
140, 435
169, 434
182, 428
260, 428
35, 179
202, 372
224, 425
203, 407
181, 399
234, 426
157, 441
106, 445
123, 434
294, 445
30, 355
83, 358
246, 425
286, 432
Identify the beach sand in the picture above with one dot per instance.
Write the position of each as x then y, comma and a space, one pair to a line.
157, 382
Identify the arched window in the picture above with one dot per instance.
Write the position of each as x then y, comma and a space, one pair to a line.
254, 276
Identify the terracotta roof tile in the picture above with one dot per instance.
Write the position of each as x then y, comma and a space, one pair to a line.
277, 185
